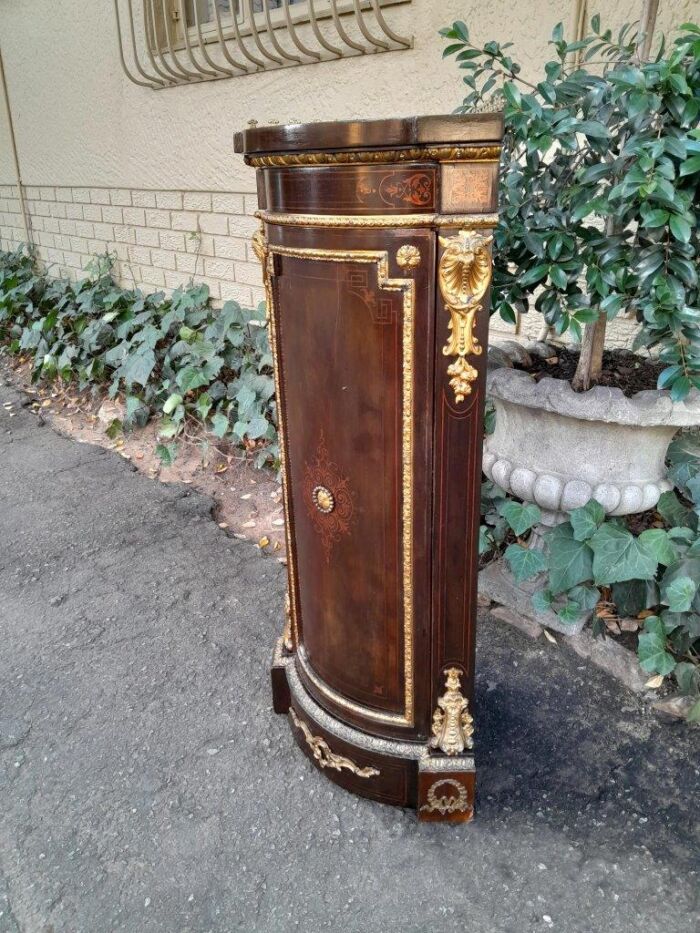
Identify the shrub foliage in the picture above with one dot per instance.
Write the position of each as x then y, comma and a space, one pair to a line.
599, 183
173, 357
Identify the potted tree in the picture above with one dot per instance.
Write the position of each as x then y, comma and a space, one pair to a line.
598, 193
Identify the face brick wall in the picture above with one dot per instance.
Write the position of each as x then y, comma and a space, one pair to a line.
161, 239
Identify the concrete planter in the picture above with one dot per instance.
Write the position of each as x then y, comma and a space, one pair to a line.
560, 448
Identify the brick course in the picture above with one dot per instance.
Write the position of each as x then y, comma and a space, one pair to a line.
163, 238
160, 239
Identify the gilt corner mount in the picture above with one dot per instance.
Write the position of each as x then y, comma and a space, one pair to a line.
464, 275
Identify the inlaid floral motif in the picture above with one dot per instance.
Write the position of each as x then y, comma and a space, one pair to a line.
327, 497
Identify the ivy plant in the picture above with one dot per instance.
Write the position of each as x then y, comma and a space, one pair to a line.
175, 357
592, 559
598, 190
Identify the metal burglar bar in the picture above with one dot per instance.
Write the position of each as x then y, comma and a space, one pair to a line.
164, 43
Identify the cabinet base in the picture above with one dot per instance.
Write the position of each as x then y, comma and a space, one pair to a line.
404, 774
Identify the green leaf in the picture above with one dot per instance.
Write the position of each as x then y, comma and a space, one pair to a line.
137, 412
114, 429
485, 540
570, 561
524, 562
167, 453
168, 428
461, 29
651, 651
687, 677
542, 600
619, 556
672, 510
657, 541
585, 597
138, 367
171, 403
220, 424
630, 597
680, 228
667, 375
587, 519
203, 405
569, 613
257, 427
534, 274
679, 594
694, 712
512, 94
191, 377
593, 129
656, 218
690, 166
558, 277
680, 388
520, 517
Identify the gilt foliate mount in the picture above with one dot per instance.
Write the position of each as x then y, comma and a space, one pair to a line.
464, 275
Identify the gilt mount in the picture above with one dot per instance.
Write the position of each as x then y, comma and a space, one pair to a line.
464, 275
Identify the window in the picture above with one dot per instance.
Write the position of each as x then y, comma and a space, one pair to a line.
204, 9
201, 40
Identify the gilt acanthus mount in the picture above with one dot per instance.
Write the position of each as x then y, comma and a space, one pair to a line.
453, 725
464, 275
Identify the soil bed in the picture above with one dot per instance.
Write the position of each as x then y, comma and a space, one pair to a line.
622, 369
248, 502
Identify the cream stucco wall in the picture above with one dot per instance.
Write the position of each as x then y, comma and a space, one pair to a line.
79, 121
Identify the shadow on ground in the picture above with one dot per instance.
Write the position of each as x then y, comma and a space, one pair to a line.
146, 785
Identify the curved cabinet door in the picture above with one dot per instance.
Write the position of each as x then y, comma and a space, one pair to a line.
353, 335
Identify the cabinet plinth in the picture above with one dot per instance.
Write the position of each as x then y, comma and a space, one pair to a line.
375, 244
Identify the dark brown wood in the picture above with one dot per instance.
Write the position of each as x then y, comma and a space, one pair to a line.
367, 134
395, 782
446, 796
281, 698
457, 450
353, 189
383, 608
349, 395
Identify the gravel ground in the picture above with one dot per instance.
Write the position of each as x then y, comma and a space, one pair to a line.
145, 784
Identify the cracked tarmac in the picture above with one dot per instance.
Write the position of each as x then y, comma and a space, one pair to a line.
146, 785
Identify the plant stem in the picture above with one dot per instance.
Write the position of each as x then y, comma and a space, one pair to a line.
647, 22
590, 363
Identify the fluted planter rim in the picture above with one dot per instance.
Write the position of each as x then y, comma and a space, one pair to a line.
648, 408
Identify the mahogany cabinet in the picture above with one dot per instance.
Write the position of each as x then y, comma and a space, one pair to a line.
375, 242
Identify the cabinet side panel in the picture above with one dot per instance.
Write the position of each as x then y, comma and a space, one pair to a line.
457, 494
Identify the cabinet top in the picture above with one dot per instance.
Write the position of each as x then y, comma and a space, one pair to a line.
449, 129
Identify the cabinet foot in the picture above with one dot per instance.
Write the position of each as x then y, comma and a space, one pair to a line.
401, 773
281, 700
446, 790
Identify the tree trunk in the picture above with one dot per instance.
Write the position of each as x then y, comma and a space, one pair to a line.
590, 363
647, 22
